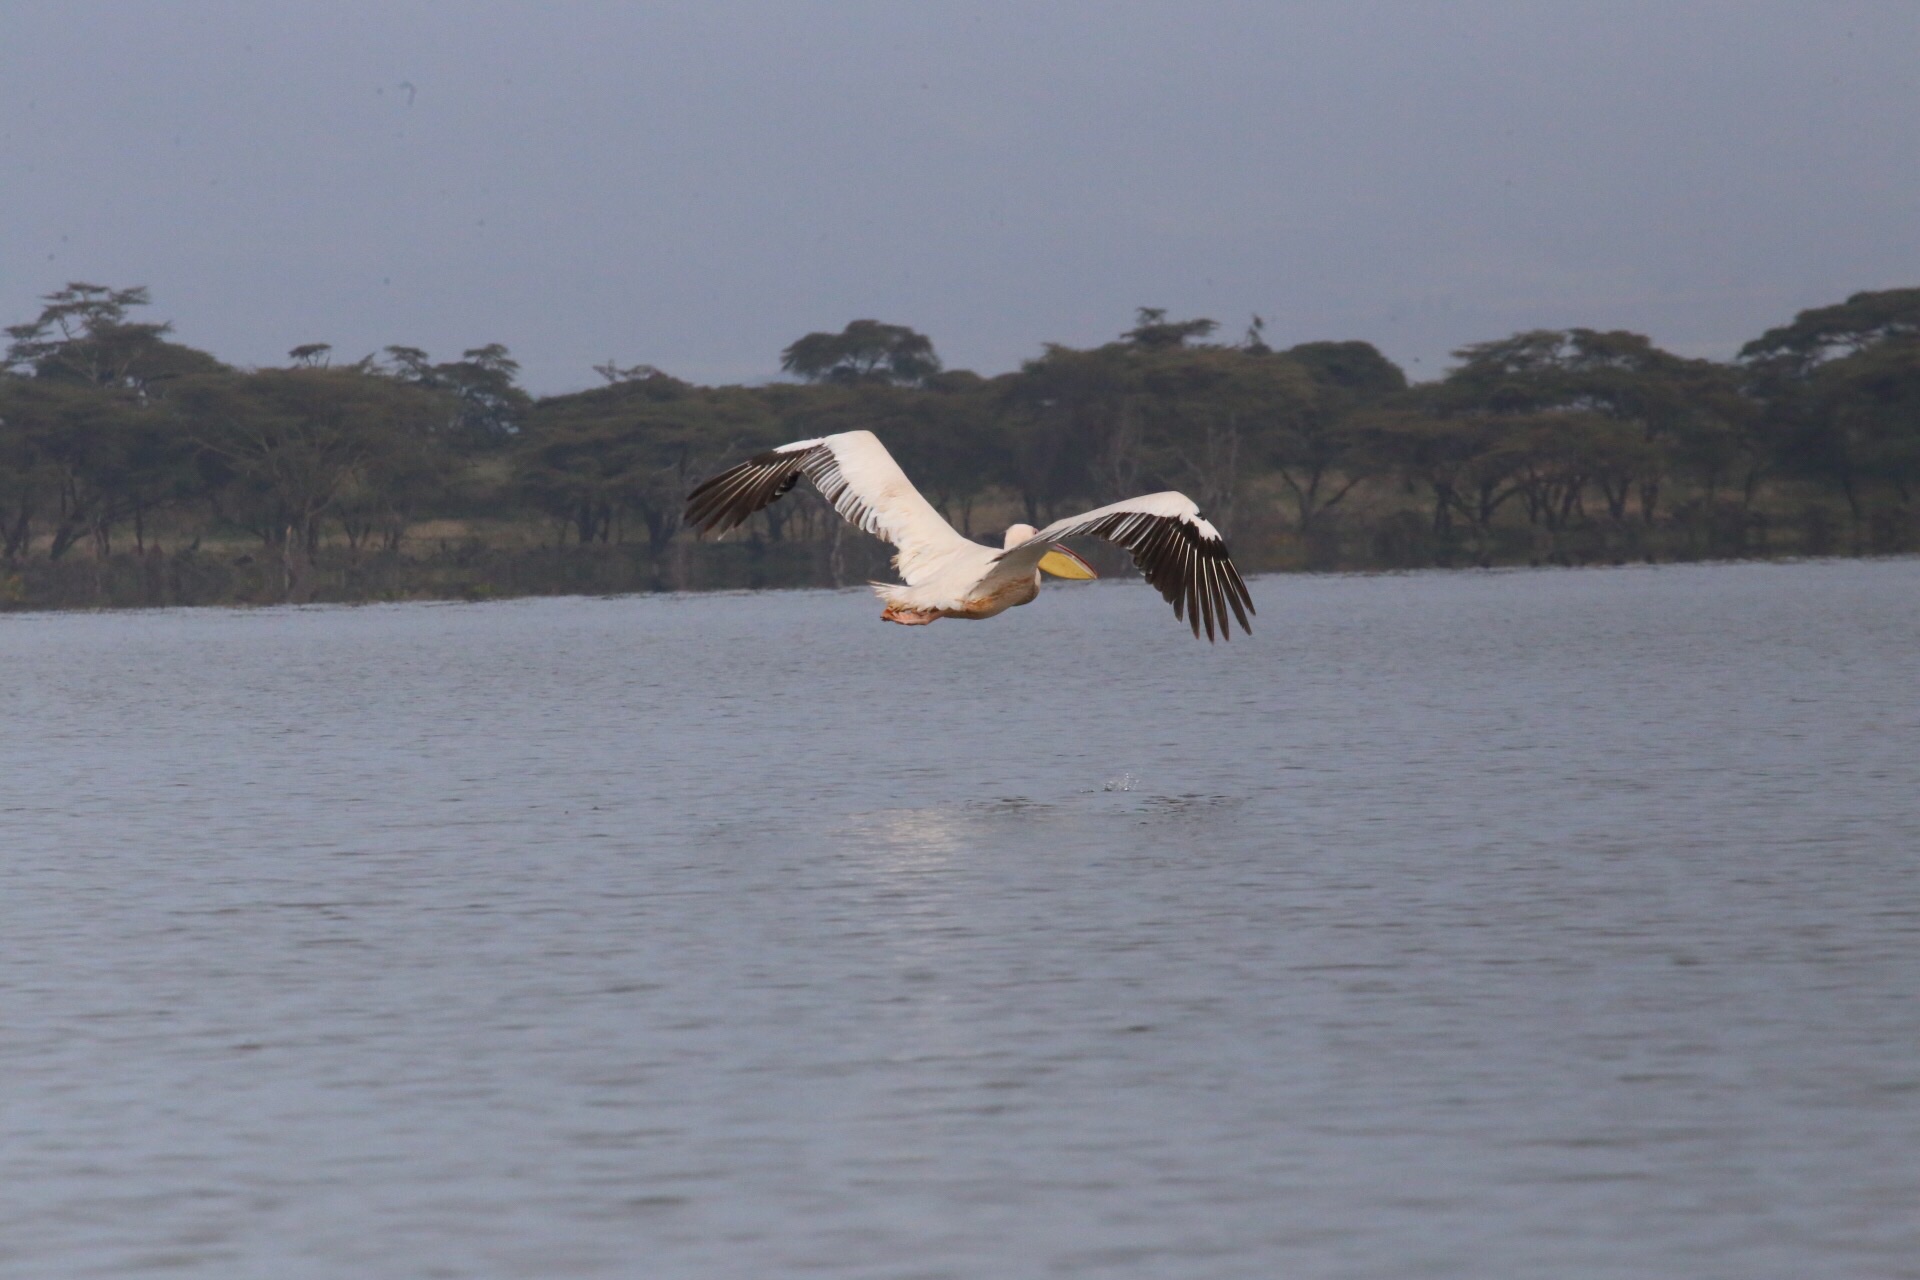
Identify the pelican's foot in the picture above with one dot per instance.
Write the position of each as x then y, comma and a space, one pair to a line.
907, 617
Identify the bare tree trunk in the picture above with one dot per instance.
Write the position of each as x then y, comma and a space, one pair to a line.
19, 534
1119, 465
291, 542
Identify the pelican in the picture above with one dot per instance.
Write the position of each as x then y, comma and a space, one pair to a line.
948, 575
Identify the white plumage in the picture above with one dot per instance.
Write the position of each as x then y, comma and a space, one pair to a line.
947, 575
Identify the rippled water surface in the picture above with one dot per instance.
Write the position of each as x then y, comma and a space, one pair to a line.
1553, 924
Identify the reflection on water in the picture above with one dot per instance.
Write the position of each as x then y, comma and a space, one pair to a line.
907, 840
1533, 923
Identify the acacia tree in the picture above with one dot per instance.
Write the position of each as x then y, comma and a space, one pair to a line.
89, 452
24, 475
286, 448
105, 457
632, 448
83, 335
1820, 334
1469, 462
1564, 380
1127, 416
863, 352
1204, 409
1868, 403
1073, 428
1152, 330
1837, 387
484, 405
1314, 442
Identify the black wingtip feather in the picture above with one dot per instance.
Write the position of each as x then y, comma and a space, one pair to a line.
1191, 571
725, 501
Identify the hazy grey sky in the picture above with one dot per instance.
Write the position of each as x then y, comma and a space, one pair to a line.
696, 185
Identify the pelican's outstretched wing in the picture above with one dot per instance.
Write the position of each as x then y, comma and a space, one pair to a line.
856, 474
1177, 550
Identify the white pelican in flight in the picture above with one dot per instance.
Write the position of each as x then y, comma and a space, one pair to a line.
951, 576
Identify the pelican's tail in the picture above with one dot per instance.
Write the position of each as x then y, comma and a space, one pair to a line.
901, 607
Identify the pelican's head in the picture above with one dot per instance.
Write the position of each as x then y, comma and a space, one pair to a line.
1058, 561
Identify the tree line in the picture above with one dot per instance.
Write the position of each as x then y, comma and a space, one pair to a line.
135, 468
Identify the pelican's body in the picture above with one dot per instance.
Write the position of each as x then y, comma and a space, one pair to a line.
948, 575
968, 586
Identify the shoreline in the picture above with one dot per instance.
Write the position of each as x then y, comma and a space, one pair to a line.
131, 583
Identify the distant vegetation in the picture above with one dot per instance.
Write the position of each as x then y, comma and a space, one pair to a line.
136, 470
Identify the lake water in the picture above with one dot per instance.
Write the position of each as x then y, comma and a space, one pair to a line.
1455, 925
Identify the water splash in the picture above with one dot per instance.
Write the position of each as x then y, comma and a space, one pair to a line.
1125, 782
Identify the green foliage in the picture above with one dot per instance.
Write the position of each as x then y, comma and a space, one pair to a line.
1579, 409
865, 351
1860, 421
1069, 421
281, 450
1152, 330
82, 445
1839, 393
1568, 444
83, 335
1356, 369
80, 459
632, 449
1320, 447
485, 407
1824, 333
1132, 416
